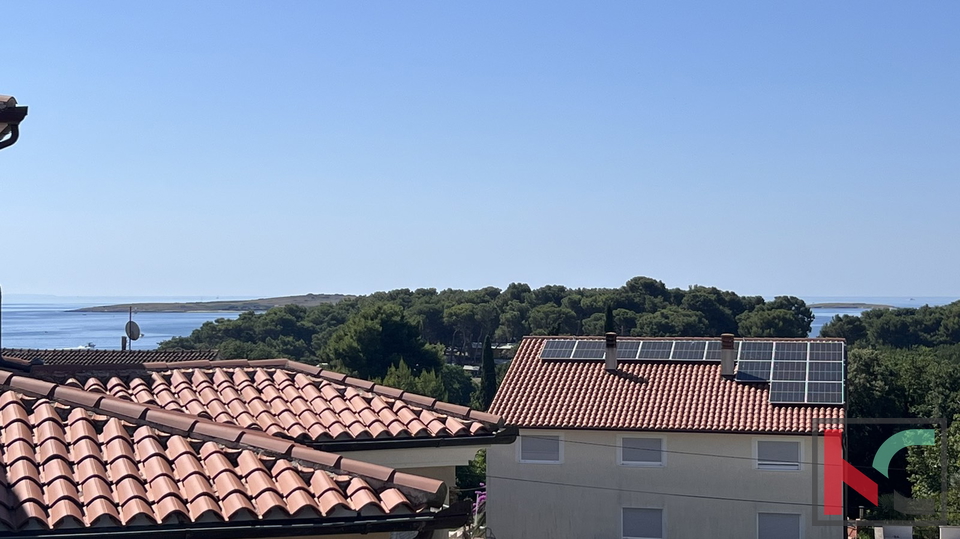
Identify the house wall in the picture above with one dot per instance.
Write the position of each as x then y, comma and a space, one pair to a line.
563, 505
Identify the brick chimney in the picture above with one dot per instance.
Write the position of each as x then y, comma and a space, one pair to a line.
728, 355
610, 357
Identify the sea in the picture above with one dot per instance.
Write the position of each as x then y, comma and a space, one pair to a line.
49, 321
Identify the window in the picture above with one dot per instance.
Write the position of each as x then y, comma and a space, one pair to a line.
778, 526
540, 448
641, 451
778, 455
642, 523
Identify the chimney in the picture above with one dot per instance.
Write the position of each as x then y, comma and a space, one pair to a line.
123, 343
610, 356
728, 355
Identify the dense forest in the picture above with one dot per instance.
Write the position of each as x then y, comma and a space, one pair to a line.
456, 319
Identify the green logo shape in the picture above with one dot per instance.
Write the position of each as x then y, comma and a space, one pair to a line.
900, 440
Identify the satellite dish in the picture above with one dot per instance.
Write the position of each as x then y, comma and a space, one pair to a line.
132, 330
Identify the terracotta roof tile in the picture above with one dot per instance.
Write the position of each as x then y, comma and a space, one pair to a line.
648, 395
288, 400
113, 465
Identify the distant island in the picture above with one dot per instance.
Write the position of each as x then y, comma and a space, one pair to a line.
849, 306
262, 304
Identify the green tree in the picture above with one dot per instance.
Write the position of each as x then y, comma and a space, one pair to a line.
488, 375
624, 321
458, 384
785, 316
594, 324
401, 377
709, 302
608, 323
768, 323
671, 322
470, 477
376, 338
848, 327
547, 319
431, 385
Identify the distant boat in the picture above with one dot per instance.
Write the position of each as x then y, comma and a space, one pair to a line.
88, 346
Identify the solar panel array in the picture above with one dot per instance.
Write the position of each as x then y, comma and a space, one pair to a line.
672, 350
799, 372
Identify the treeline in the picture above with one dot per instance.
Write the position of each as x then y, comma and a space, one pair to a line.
898, 328
454, 320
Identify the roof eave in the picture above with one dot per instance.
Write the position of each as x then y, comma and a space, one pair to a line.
454, 516
504, 436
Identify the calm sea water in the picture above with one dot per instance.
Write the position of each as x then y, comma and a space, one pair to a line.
822, 316
45, 322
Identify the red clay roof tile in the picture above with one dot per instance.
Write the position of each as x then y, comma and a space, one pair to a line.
651, 395
125, 463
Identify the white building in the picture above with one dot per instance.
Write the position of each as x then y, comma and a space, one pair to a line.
662, 443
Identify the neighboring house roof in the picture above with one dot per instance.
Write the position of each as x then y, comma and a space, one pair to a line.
646, 395
73, 460
99, 357
289, 399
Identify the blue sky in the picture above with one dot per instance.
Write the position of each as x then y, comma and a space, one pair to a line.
268, 148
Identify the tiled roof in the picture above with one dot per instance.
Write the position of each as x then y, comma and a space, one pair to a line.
73, 459
289, 399
641, 395
105, 357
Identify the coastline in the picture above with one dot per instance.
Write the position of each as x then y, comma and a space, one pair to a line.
256, 305
846, 305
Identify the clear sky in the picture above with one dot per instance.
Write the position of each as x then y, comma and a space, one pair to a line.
268, 148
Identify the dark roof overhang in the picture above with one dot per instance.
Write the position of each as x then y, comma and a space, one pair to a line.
451, 517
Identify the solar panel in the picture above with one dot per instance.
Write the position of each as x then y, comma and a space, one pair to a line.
790, 370
787, 392
753, 371
826, 351
713, 350
558, 349
824, 392
756, 351
810, 372
655, 350
790, 351
627, 349
590, 350
689, 350
826, 371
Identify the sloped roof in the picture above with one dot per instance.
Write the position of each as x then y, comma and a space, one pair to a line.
88, 357
641, 395
289, 399
72, 459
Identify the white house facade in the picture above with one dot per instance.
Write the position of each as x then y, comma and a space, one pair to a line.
654, 448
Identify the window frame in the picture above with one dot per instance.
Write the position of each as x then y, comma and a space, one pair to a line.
663, 523
768, 466
520, 458
641, 464
798, 515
